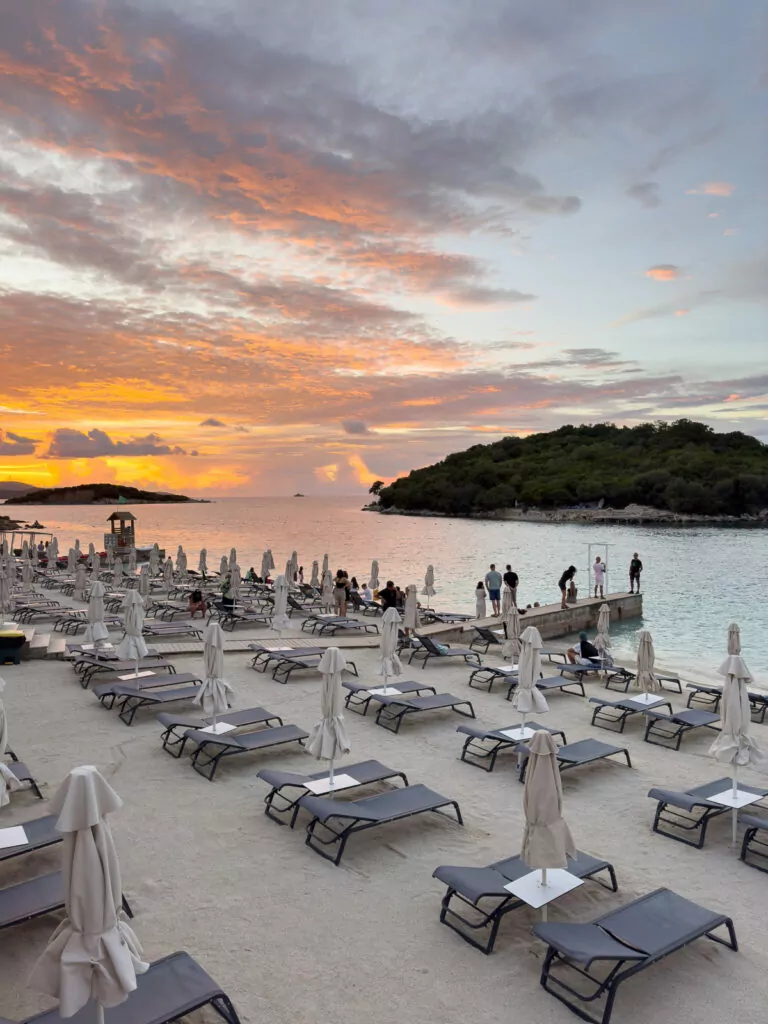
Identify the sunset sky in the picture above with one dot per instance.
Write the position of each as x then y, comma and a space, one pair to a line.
256, 247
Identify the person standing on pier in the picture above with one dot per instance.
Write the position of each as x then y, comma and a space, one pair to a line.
635, 568
598, 570
493, 583
512, 579
563, 582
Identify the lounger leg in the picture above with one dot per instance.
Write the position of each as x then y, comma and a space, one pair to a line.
223, 1006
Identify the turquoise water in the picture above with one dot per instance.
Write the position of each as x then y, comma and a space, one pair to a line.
696, 581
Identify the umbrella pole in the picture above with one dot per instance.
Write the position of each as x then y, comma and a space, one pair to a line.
99, 1014
544, 882
735, 812
331, 784
136, 669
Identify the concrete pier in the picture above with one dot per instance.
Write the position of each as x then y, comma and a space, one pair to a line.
551, 620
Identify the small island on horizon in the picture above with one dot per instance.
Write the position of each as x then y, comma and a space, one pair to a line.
98, 494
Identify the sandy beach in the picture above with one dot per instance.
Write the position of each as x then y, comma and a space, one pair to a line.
294, 940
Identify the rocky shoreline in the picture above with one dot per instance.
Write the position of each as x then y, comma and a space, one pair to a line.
637, 515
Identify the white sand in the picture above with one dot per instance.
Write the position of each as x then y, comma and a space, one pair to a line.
294, 939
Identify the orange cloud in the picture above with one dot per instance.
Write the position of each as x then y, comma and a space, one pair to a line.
682, 312
663, 272
329, 473
724, 189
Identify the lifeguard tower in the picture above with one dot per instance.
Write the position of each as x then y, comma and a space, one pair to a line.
122, 536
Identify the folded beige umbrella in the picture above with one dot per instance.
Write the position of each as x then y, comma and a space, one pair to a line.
603, 638
154, 559
411, 608
168, 575
326, 596
329, 737
429, 583
133, 646
202, 563
645, 680
81, 583
117, 572
8, 781
511, 620
143, 586
94, 953
96, 631
527, 696
215, 693
547, 841
389, 660
734, 745
280, 620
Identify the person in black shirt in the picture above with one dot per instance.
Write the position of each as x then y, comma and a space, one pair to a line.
511, 579
583, 651
635, 568
563, 582
388, 596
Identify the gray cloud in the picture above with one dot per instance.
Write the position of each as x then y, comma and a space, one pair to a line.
74, 444
646, 193
13, 444
354, 427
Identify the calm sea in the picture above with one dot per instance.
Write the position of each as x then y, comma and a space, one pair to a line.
695, 581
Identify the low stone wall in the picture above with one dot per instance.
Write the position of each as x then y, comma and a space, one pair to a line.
551, 620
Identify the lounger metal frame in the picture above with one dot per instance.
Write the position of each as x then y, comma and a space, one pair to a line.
206, 762
690, 811
667, 729
429, 649
392, 711
608, 714
485, 757
623, 970
360, 704
755, 842
488, 921
565, 765
338, 837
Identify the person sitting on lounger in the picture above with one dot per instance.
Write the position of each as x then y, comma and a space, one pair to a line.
197, 604
584, 652
226, 591
388, 595
366, 593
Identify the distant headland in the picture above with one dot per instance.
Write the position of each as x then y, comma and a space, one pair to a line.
98, 494
681, 472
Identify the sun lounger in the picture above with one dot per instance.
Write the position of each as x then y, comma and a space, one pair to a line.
710, 696
211, 749
575, 755
613, 714
157, 629
680, 813
117, 667
365, 607
331, 628
35, 897
229, 617
622, 943
171, 989
620, 679
132, 698
429, 649
72, 624
393, 709
665, 730
288, 663
108, 692
23, 774
41, 832
177, 728
265, 653
476, 900
483, 678
554, 656
334, 821
755, 842
429, 615
486, 637
278, 804
482, 746
552, 683
360, 695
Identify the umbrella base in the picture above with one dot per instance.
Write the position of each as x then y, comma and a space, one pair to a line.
531, 891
